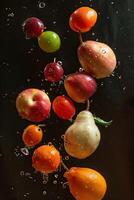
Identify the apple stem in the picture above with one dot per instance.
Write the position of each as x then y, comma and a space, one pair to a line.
80, 37
64, 166
54, 60
88, 105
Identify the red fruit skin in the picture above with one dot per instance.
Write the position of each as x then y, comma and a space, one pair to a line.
83, 19
33, 105
96, 58
80, 86
53, 72
63, 107
33, 27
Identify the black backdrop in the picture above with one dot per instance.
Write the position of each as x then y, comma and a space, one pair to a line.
21, 66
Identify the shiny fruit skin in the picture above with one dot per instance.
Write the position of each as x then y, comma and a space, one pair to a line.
97, 59
49, 41
33, 104
63, 107
32, 135
46, 159
86, 183
80, 86
33, 27
83, 19
53, 72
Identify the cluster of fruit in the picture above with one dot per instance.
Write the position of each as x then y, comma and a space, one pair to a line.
82, 138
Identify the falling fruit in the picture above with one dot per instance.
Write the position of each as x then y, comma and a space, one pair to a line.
97, 58
86, 183
46, 159
82, 138
80, 86
32, 135
49, 41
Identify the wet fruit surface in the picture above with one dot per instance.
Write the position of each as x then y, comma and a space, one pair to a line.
33, 27
63, 107
53, 72
46, 159
83, 19
80, 86
32, 135
49, 41
33, 104
86, 183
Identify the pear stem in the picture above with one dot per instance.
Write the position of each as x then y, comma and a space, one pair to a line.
88, 105
64, 166
80, 38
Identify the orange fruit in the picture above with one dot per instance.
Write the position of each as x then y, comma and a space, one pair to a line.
46, 159
86, 183
32, 135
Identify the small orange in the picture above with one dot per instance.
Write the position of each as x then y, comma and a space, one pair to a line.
32, 135
86, 183
46, 159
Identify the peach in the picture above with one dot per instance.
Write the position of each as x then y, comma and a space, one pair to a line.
80, 86
33, 104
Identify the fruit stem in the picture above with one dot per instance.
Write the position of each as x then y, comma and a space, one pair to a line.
88, 105
41, 125
54, 60
80, 38
64, 166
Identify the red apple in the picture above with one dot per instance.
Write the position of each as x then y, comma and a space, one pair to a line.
97, 58
33, 105
80, 86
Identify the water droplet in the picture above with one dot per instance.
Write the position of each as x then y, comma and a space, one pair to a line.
22, 173
124, 88
67, 158
55, 182
56, 175
104, 51
62, 137
59, 62
50, 143
42, 4
45, 178
44, 192
93, 34
11, 14
112, 3
117, 12
54, 22
24, 151
81, 69
64, 185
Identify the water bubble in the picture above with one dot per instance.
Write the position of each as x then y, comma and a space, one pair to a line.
42, 4
104, 51
22, 173
67, 158
117, 12
11, 14
56, 175
50, 144
62, 137
24, 151
93, 34
55, 182
44, 192
54, 22
124, 88
112, 2
81, 69
45, 178
64, 185
59, 62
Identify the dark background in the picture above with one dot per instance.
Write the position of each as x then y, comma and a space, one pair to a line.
21, 66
